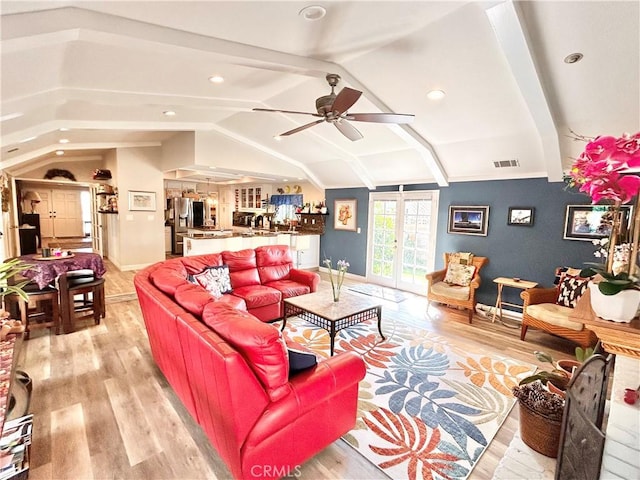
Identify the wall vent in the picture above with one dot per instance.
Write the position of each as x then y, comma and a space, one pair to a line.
506, 163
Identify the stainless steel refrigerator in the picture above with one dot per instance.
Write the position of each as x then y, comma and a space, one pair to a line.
186, 213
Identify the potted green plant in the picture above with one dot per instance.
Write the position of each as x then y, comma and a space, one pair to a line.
8, 270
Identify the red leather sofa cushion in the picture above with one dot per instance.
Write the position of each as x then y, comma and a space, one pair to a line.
289, 288
274, 262
242, 267
258, 295
260, 343
194, 298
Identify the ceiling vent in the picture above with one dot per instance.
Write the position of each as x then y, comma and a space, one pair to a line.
506, 163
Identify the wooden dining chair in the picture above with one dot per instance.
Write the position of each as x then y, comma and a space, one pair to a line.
41, 310
81, 296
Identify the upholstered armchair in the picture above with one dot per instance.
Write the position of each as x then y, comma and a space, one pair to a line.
546, 310
455, 295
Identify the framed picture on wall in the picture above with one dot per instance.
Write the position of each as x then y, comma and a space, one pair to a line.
468, 220
142, 201
521, 216
592, 222
345, 214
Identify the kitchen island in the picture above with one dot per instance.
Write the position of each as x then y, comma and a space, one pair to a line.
306, 247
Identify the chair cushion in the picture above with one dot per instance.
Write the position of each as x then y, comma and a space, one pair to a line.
452, 291
570, 289
555, 315
459, 274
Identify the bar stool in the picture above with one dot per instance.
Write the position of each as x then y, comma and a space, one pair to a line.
41, 310
83, 284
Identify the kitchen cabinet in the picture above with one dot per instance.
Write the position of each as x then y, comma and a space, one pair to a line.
251, 198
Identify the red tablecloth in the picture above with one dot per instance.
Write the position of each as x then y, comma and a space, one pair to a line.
44, 272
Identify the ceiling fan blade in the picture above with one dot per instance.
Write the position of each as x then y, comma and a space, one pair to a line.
285, 111
303, 127
345, 100
380, 117
348, 130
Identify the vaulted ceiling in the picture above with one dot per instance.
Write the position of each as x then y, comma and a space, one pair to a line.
107, 71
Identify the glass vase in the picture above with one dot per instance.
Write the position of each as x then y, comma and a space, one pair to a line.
336, 293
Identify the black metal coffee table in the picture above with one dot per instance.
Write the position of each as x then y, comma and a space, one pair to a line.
319, 309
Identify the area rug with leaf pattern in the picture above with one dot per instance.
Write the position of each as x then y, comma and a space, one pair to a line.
427, 408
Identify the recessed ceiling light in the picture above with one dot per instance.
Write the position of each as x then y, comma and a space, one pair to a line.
313, 13
436, 95
285, 179
28, 139
64, 129
59, 152
63, 140
216, 79
277, 138
169, 113
573, 58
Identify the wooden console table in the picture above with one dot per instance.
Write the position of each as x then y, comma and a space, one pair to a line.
616, 338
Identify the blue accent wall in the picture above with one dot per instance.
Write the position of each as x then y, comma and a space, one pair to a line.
531, 253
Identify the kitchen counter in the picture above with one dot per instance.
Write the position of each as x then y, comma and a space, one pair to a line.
306, 246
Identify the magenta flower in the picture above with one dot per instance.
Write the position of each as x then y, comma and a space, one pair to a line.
600, 170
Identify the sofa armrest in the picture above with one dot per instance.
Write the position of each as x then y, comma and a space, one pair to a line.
327, 378
311, 279
435, 277
312, 390
534, 296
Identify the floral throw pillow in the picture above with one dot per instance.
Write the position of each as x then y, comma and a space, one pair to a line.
570, 289
463, 258
215, 280
458, 274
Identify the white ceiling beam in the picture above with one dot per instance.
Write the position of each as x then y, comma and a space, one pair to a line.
513, 40
94, 26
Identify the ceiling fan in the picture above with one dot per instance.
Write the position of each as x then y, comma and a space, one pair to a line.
333, 108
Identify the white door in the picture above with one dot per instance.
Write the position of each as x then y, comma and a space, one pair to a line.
60, 213
402, 235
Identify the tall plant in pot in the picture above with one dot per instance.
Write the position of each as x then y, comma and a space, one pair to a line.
601, 172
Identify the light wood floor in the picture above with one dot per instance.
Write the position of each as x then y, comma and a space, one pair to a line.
103, 410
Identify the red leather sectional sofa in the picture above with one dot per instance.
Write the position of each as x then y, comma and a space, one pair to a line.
230, 368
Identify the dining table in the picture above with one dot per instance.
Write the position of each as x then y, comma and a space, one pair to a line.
44, 270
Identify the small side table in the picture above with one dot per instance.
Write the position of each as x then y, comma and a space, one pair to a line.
509, 282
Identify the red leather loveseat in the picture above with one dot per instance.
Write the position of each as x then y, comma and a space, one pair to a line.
230, 367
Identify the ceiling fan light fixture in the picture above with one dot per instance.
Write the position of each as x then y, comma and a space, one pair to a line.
216, 79
169, 113
436, 95
313, 13
277, 138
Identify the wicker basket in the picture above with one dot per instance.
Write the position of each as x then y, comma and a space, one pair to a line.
539, 432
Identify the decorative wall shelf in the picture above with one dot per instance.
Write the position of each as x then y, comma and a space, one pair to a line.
616, 338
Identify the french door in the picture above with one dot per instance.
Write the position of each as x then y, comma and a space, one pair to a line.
402, 239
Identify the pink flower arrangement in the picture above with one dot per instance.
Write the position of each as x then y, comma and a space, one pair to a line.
600, 170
